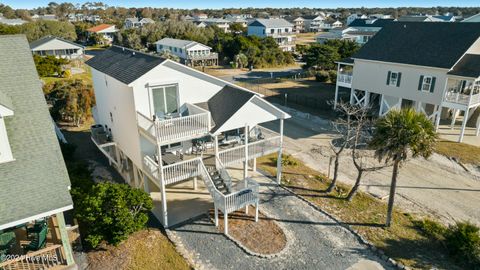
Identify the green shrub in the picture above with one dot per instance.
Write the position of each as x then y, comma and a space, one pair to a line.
111, 212
463, 243
431, 229
332, 75
322, 76
287, 160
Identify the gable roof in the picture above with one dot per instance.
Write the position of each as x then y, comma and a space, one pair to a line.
99, 28
468, 66
36, 182
179, 43
125, 65
271, 23
474, 18
225, 103
370, 23
47, 39
423, 44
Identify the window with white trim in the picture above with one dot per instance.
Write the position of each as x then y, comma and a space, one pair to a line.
427, 83
393, 78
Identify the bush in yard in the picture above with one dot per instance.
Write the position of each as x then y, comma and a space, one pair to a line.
332, 75
287, 160
111, 212
48, 65
322, 76
463, 243
432, 229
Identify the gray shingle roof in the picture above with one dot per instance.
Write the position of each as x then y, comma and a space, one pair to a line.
6, 101
124, 64
179, 43
468, 66
226, 103
271, 23
422, 44
46, 39
370, 23
37, 180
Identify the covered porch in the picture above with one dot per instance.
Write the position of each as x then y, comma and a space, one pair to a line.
39, 243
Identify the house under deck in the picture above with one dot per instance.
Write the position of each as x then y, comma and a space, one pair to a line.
456, 116
197, 144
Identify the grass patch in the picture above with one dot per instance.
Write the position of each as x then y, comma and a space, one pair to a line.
143, 250
403, 241
85, 76
466, 153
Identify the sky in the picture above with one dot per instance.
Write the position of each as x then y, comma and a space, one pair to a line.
218, 4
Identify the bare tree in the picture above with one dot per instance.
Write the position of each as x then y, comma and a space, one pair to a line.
344, 126
362, 136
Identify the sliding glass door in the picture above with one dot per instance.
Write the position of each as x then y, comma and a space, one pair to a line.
164, 99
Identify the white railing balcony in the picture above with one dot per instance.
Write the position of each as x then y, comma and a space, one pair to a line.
283, 34
176, 129
459, 98
345, 78
212, 55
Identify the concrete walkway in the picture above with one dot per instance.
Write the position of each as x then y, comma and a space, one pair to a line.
317, 242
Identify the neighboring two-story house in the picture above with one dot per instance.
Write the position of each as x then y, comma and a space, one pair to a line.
191, 53
414, 64
34, 182
107, 31
162, 124
279, 29
136, 22
58, 47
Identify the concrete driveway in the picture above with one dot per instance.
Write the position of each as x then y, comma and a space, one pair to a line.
436, 186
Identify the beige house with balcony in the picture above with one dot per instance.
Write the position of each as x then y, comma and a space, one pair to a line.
414, 64
162, 125
279, 29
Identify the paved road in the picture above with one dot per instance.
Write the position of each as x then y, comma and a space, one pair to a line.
437, 186
317, 242
259, 74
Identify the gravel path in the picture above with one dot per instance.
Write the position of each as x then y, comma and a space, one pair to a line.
316, 241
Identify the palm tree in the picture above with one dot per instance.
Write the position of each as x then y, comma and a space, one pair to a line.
398, 135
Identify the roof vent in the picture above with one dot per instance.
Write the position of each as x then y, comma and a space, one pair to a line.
123, 49
133, 53
404, 26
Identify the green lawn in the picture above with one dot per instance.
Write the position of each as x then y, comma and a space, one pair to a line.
85, 76
403, 241
466, 153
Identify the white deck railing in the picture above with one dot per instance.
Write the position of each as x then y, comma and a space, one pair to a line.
180, 171
344, 78
151, 167
232, 155
49, 257
457, 97
175, 129
263, 147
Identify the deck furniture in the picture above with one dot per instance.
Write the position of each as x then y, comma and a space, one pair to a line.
38, 242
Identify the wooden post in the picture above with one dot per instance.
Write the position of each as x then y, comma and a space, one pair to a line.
366, 99
245, 164
336, 88
464, 124
217, 157
279, 158
225, 223
67, 248
195, 183
454, 117
437, 119
256, 211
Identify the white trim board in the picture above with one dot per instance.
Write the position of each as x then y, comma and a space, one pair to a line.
38, 216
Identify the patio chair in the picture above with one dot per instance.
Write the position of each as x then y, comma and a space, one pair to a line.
39, 241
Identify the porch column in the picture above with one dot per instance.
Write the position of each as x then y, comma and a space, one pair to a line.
352, 93
162, 186
254, 165
366, 99
216, 148
245, 164
336, 88
279, 158
454, 117
381, 106
437, 119
464, 124
67, 248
